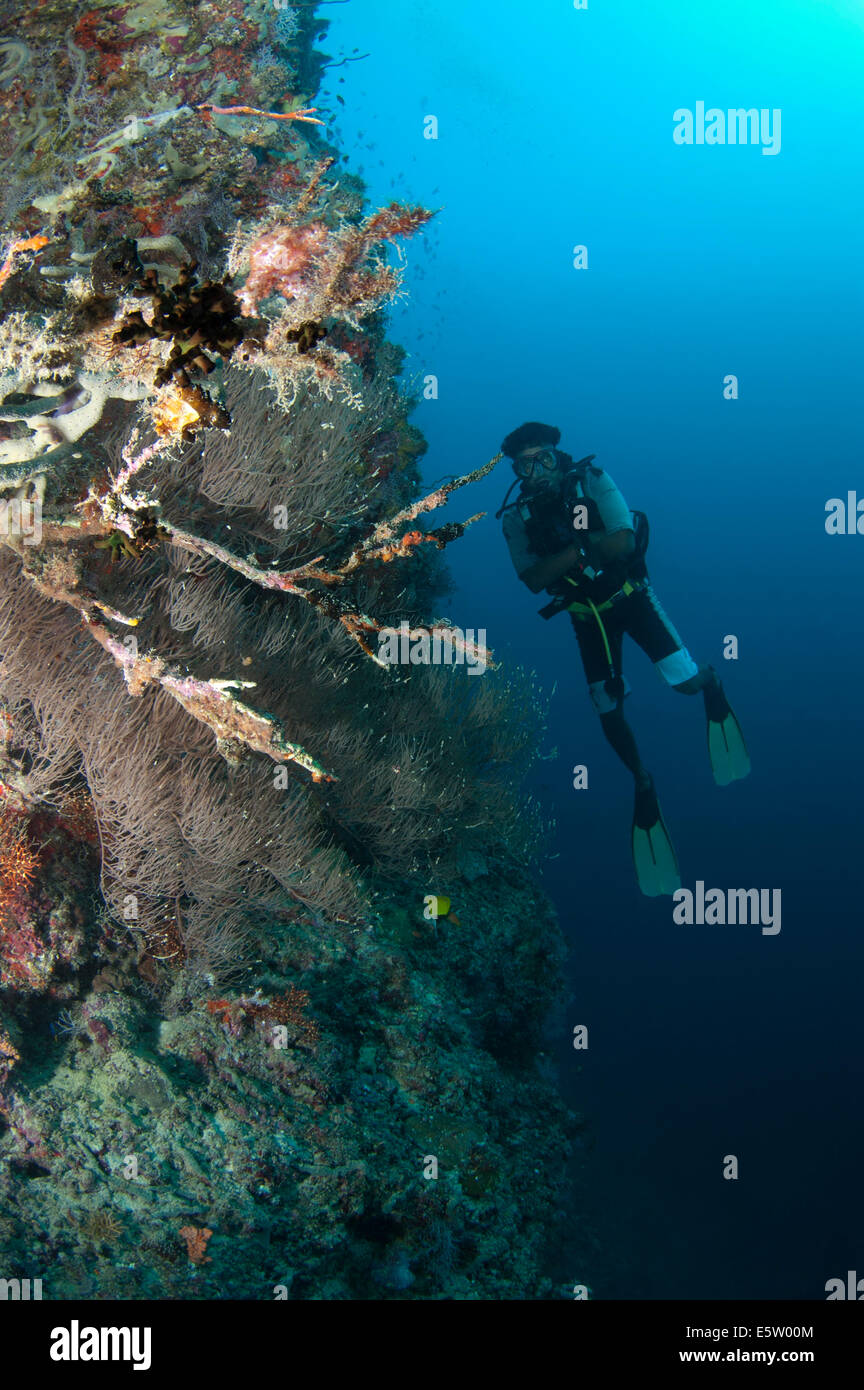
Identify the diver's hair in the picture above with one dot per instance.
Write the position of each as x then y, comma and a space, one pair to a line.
528, 436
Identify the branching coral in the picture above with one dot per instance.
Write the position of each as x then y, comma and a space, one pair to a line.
189, 894
194, 634
288, 1012
194, 714
327, 271
301, 273
18, 862
283, 260
196, 1238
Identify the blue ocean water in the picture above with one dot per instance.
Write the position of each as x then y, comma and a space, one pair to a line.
555, 130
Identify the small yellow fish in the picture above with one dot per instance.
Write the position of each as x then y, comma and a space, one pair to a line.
436, 907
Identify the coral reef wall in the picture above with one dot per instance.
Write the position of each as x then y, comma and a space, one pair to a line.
245, 1043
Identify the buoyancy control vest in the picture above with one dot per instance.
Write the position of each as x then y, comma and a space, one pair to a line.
547, 516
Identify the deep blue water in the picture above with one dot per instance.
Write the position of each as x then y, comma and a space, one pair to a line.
556, 129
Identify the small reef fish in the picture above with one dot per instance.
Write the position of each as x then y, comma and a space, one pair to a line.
435, 907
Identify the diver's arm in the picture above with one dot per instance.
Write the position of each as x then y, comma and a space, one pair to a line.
621, 545
551, 568
599, 550
616, 541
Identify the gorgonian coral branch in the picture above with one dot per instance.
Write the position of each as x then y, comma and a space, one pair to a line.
306, 113
382, 546
386, 529
210, 702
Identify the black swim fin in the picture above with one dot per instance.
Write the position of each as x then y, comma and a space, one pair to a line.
654, 857
727, 750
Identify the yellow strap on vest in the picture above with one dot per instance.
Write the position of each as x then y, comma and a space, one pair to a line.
586, 608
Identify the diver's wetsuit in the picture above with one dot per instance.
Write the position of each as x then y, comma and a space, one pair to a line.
641, 617
542, 530
604, 606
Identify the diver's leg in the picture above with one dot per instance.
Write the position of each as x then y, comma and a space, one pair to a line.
653, 632
608, 688
620, 738
705, 680
654, 857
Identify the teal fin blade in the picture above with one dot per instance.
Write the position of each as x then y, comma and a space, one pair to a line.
654, 857
727, 750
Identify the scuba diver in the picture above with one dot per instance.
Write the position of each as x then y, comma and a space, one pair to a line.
571, 533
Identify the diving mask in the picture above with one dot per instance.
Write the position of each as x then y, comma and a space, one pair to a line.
544, 461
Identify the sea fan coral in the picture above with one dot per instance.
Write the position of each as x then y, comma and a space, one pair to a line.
220, 803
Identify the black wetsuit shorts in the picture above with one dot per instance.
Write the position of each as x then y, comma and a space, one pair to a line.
640, 616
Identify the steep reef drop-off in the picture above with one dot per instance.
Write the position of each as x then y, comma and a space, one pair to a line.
236, 1058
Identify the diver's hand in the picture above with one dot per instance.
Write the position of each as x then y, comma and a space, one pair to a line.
552, 568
